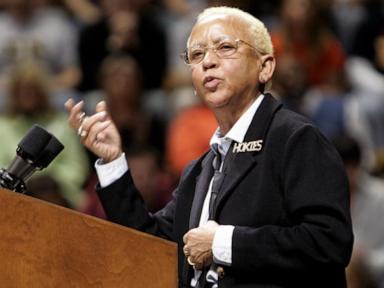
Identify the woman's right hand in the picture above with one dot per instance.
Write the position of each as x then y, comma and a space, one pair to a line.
97, 132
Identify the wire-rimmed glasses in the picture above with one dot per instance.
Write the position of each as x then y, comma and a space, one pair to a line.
223, 49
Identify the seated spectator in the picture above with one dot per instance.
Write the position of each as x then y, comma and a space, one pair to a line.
120, 80
369, 40
128, 28
290, 82
29, 103
302, 35
367, 210
365, 71
33, 29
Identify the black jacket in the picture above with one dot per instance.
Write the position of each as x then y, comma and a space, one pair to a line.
289, 203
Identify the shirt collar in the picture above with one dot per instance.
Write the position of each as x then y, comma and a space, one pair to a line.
238, 131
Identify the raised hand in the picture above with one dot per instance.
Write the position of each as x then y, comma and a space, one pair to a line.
97, 132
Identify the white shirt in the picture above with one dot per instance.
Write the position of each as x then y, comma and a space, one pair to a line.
222, 242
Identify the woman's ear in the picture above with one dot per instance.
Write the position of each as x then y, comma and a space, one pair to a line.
268, 64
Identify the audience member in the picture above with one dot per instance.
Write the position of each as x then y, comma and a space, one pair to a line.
302, 35
33, 29
128, 28
29, 103
367, 210
290, 82
347, 16
365, 69
120, 80
370, 33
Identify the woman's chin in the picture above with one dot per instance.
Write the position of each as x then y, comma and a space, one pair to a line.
216, 102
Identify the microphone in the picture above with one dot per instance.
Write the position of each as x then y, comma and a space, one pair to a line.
35, 151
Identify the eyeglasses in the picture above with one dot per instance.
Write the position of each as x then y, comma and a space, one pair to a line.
223, 49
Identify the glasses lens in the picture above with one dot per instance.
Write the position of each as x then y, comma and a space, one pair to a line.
196, 55
226, 48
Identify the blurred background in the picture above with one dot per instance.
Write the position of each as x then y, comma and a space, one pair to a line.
330, 67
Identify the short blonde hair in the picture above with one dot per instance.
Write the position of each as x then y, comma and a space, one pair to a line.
260, 35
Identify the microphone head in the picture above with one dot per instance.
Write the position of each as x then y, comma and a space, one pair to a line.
33, 143
36, 150
53, 148
39, 147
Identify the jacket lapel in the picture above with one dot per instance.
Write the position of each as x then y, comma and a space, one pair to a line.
202, 184
238, 164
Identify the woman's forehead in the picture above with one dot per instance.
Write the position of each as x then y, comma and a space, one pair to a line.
216, 27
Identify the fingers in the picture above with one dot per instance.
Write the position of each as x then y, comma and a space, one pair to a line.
101, 106
187, 254
77, 118
75, 111
186, 251
197, 263
69, 104
191, 253
95, 131
198, 244
185, 237
192, 259
94, 124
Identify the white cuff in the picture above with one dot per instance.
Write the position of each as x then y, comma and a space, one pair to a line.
110, 172
222, 245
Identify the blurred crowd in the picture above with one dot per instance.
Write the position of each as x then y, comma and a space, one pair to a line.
330, 67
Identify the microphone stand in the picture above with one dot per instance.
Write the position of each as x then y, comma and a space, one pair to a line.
11, 182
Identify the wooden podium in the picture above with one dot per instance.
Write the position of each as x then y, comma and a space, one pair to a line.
44, 245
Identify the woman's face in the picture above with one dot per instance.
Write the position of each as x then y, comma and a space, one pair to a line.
224, 82
297, 12
28, 97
